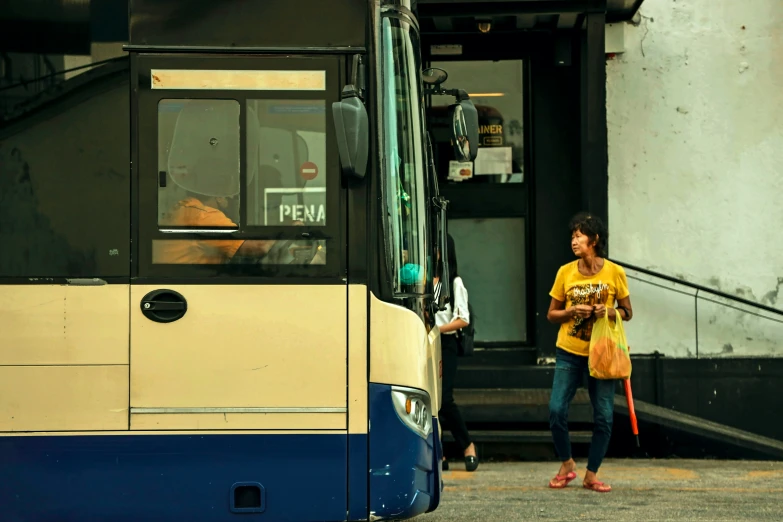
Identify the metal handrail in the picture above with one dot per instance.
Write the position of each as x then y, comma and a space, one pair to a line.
696, 297
699, 288
25, 83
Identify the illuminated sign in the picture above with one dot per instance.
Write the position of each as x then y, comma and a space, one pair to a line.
491, 135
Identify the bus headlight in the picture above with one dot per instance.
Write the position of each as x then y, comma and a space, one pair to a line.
413, 408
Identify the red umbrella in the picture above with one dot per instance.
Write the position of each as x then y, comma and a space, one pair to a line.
631, 411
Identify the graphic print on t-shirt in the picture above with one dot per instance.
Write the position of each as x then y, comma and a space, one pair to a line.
591, 295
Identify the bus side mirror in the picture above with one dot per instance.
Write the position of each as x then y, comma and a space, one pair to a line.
464, 128
352, 128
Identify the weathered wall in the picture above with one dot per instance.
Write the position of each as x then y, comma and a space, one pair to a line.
695, 122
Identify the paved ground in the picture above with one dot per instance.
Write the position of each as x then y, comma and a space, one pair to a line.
644, 490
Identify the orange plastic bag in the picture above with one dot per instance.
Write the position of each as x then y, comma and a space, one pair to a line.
609, 357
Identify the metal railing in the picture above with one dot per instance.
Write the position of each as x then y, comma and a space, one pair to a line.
703, 294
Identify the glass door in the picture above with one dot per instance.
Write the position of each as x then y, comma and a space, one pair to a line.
488, 197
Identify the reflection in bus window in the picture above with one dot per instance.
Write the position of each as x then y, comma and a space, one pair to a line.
496, 87
199, 180
403, 143
222, 251
198, 147
291, 162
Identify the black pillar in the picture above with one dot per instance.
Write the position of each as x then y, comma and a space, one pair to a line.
554, 104
594, 162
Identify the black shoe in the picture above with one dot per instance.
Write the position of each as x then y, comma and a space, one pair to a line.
471, 463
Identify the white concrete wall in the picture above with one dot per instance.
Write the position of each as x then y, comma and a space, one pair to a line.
695, 123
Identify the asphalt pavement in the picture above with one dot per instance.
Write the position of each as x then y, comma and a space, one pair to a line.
643, 491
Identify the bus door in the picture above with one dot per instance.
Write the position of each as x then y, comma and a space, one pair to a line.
239, 305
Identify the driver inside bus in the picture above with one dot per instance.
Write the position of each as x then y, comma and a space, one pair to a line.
204, 165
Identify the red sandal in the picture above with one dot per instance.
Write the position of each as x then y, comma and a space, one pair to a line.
568, 478
600, 487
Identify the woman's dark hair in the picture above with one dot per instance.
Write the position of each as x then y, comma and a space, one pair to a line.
593, 227
452, 257
451, 261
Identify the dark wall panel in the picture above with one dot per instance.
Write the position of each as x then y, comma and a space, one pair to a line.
240, 23
742, 393
594, 146
65, 187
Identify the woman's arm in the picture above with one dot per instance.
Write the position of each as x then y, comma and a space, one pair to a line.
461, 317
454, 325
624, 308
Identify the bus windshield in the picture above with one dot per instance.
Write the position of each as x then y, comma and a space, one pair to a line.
404, 183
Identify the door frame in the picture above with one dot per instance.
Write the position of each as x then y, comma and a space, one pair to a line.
501, 200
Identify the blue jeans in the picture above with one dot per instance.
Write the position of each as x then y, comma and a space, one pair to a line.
569, 372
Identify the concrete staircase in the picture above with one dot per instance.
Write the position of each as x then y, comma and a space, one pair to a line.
504, 399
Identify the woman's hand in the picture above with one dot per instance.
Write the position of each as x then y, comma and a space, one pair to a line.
558, 314
583, 311
600, 311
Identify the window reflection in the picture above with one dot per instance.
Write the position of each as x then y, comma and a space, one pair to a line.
200, 187
403, 142
290, 144
229, 251
199, 167
496, 90
198, 144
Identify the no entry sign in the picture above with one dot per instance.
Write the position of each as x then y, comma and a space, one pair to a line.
308, 170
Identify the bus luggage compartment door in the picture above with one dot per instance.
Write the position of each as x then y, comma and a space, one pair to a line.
238, 357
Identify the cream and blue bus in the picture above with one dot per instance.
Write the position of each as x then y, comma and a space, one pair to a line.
261, 345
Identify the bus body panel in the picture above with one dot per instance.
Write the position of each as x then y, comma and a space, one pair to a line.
163, 477
63, 398
358, 477
404, 467
246, 351
402, 352
357, 359
358, 416
63, 357
64, 324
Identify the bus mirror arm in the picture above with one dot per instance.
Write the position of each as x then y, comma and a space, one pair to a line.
352, 130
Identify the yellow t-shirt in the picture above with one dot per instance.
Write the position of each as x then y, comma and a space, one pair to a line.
605, 287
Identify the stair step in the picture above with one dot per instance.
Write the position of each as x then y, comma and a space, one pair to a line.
503, 376
520, 355
513, 396
539, 436
528, 405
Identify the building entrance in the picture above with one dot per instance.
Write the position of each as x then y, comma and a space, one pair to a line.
488, 202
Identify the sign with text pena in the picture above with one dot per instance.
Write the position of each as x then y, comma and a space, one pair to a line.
308, 170
283, 206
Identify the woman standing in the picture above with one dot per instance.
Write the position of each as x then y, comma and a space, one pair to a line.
449, 321
584, 290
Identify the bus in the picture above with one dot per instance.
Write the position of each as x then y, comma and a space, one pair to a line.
264, 347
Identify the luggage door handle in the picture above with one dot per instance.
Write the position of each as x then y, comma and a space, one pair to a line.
163, 306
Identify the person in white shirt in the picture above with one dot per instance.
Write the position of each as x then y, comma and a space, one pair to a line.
449, 322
